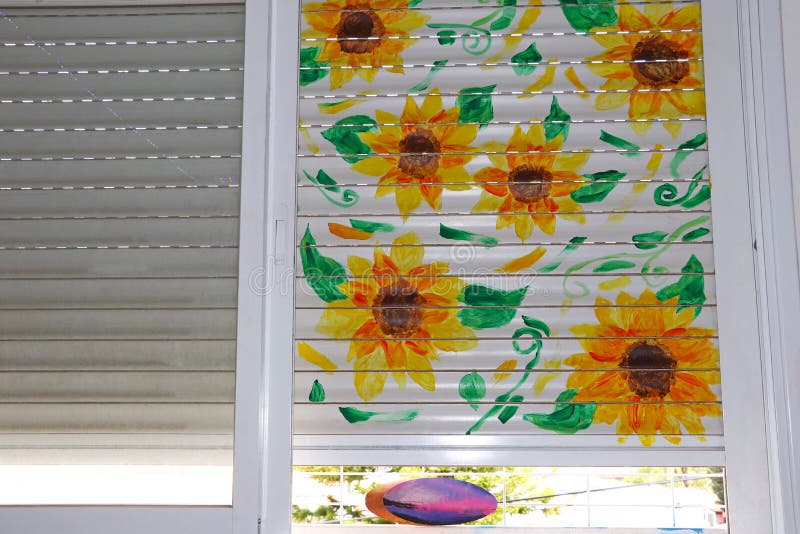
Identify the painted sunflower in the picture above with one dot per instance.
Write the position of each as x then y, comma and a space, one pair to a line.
528, 190
399, 314
660, 66
421, 149
354, 31
652, 372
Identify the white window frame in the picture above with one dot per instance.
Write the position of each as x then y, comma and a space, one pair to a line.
757, 316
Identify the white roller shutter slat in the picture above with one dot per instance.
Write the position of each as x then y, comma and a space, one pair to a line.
120, 142
503, 230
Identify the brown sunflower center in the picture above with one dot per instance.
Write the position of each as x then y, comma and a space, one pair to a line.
359, 32
398, 309
662, 67
421, 152
529, 183
651, 369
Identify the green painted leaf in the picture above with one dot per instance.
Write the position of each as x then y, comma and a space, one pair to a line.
648, 241
502, 306
557, 122
472, 388
701, 196
525, 58
462, 235
323, 274
354, 415
685, 150
510, 410
370, 226
614, 265
574, 244
620, 143
344, 136
413, 3
602, 184
695, 234
536, 324
308, 58
317, 393
584, 17
446, 37
566, 418
475, 105
507, 16
690, 288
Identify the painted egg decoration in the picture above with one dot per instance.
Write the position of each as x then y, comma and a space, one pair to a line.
431, 501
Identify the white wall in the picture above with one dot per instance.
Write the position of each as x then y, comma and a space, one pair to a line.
791, 57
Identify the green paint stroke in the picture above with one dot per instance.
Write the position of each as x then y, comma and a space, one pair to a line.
472, 388
354, 415
510, 409
493, 308
506, 17
370, 226
649, 240
502, 401
695, 234
567, 418
317, 393
557, 122
668, 194
614, 265
535, 329
313, 70
690, 288
475, 40
424, 84
630, 149
475, 105
649, 258
525, 62
602, 183
324, 274
583, 15
344, 198
413, 3
684, 151
462, 235
344, 136
575, 242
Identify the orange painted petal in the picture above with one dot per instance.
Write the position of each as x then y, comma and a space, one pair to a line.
682, 19
346, 232
493, 174
631, 19
384, 266
523, 262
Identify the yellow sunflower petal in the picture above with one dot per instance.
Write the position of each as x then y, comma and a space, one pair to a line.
523, 225
314, 357
488, 203
523, 262
336, 323
452, 328
546, 221
405, 254
408, 199
631, 19
411, 112
369, 384
570, 210
682, 19
409, 21
373, 166
359, 266
431, 105
535, 136
425, 379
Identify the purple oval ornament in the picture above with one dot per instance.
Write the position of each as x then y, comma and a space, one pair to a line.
439, 501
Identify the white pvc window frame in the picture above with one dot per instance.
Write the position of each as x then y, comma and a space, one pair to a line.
758, 318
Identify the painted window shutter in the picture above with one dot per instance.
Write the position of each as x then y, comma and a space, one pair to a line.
120, 135
503, 230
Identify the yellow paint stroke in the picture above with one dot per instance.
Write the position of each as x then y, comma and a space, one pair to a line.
312, 356
345, 232
615, 283
546, 378
652, 168
501, 369
310, 144
572, 76
523, 262
565, 306
527, 20
546, 79
336, 107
